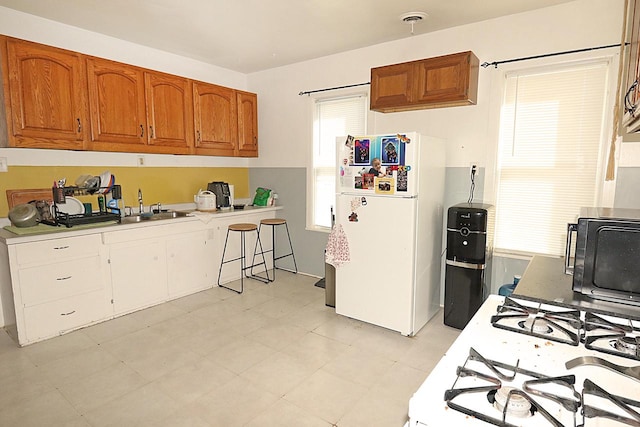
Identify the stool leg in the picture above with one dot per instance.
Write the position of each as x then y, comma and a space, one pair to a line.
291, 247
264, 261
291, 254
273, 250
224, 251
242, 262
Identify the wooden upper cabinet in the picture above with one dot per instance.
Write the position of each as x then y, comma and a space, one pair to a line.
444, 81
169, 112
392, 85
215, 119
247, 124
56, 98
116, 105
44, 98
631, 78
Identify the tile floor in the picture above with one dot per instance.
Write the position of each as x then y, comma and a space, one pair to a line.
273, 356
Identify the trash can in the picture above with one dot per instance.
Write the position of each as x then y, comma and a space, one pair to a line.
329, 285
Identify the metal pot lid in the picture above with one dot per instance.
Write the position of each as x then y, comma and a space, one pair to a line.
24, 214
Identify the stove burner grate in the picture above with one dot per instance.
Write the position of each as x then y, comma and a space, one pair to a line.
611, 336
626, 406
513, 403
560, 325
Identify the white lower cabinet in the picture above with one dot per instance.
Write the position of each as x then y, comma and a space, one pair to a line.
190, 262
56, 317
62, 283
58, 285
138, 274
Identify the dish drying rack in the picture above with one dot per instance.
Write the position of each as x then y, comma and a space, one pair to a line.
69, 220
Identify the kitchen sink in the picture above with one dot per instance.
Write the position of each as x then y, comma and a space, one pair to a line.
153, 217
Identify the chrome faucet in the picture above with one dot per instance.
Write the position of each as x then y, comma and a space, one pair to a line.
155, 208
140, 201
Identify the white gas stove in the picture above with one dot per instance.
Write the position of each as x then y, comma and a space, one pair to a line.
508, 367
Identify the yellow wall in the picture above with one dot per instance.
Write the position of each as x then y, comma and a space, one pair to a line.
167, 185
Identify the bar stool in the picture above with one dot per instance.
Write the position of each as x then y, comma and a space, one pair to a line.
274, 222
243, 228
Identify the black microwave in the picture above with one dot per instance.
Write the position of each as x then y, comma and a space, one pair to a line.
606, 263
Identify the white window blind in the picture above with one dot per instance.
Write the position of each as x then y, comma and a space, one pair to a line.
551, 130
333, 117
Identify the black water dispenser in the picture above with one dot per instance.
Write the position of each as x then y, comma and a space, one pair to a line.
468, 263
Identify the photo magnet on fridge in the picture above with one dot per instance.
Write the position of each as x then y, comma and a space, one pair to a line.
361, 152
367, 181
385, 186
349, 141
390, 151
402, 179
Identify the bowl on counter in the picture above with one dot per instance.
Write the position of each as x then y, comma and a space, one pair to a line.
24, 215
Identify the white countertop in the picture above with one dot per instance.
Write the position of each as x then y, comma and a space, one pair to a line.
10, 238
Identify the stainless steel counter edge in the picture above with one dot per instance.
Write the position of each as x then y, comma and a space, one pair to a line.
544, 281
10, 238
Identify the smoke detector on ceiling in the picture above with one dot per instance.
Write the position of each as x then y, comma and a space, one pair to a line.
413, 18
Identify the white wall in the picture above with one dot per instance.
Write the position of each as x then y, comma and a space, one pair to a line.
33, 28
285, 118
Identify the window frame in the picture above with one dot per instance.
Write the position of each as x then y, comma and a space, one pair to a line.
313, 113
605, 190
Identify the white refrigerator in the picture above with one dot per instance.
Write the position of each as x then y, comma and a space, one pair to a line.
392, 225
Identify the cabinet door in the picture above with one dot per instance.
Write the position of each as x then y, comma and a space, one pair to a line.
216, 119
116, 104
392, 85
247, 124
169, 112
190, 263
138, 274
446, 79
47, 96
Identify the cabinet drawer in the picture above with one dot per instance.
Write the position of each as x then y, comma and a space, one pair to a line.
60, 280
57, 249
51, 319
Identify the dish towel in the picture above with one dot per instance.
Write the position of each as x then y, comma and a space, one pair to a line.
337, 250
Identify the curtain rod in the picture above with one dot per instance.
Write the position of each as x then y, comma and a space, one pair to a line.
308, 92
496, 63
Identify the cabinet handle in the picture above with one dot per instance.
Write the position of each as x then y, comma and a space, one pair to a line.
151, 132
141, 131
61, 247
64, 278
79, 125
67, 314
628, 106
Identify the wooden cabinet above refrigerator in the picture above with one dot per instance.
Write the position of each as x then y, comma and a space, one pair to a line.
444, 81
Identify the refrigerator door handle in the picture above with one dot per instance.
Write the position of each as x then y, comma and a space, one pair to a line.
465, 265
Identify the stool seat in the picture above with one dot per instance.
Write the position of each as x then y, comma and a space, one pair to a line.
243, 226
273, 221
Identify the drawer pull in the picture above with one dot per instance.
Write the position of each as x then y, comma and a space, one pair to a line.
67, 314
64, 278
61, 247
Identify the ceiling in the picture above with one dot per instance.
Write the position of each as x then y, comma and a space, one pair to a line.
254, 35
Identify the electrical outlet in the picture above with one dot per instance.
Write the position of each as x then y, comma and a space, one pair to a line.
141, 160
3, 164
